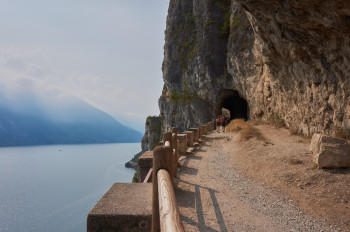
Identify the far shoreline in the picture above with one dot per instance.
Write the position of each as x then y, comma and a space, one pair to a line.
63, 144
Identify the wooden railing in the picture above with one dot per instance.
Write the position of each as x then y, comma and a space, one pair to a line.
114, 212
146, 180
168, 211
165, 213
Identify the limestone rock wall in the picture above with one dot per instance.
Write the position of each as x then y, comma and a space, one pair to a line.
194, 66
288, 59
153, 133
301, 53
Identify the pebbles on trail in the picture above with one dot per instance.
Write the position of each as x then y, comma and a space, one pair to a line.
227, 200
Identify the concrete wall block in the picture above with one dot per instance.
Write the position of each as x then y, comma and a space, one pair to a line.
145, 163
118, 211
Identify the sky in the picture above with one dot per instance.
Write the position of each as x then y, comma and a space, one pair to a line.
108, 53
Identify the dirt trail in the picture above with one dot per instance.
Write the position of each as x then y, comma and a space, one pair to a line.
224, 187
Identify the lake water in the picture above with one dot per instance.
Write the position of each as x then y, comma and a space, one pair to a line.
53, 188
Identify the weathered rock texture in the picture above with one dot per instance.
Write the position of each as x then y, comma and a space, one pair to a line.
263, 58
299, 65
153, 133
194, 67
330, 152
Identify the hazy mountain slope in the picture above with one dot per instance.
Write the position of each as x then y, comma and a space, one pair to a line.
32, 121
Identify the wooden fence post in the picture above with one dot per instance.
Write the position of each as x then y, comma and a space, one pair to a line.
175, 149
190, 136
195, 134
175, 144
203, 129
174, 130
168, 136
162, 159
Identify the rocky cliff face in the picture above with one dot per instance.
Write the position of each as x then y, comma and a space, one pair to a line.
153, 133
262, 58
194, 67
300, 51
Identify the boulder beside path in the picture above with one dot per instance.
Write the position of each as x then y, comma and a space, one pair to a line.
330, 152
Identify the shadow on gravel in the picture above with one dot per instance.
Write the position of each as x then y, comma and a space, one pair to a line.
189, 171
343, 171
182, 200
191, 157
195, 157
187, 198
215, 138
200, 227
190, 199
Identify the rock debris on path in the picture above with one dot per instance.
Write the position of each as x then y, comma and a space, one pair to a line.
213, 196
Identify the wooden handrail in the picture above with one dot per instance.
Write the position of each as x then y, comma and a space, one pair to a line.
162, 159
167, 136
170, 139
165, 213
174, 130
148, 175
168, 211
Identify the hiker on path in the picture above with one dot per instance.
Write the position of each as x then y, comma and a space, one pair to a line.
223, 123
218, 124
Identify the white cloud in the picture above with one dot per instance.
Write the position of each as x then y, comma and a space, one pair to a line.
23, 71
30, 70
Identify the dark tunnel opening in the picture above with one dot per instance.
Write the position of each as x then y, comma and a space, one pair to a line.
237, 106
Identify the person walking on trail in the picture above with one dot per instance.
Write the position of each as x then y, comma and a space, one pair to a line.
223, 123
218, 124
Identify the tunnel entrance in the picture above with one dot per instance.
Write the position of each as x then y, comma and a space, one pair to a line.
237, 106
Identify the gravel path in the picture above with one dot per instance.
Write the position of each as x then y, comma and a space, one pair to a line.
213, 196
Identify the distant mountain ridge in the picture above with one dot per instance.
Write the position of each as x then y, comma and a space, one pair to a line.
28, 120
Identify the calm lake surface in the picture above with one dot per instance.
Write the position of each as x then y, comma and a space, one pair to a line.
53, 188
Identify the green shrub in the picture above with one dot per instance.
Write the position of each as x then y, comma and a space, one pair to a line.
186, 94
225, 27
235, 21
209, 23
134, 178
175, 96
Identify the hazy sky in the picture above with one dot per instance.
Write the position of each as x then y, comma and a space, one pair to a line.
106, 52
